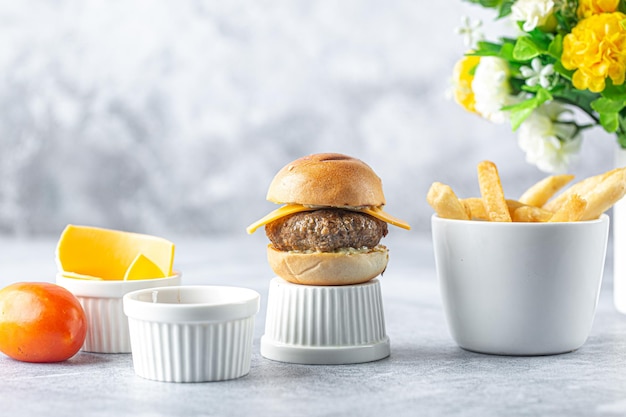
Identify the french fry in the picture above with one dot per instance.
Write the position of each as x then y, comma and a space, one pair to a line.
492, 193
582, 188
476, 208
530, 214
539, 194
585, 200
571, 211
513, 205
445, 202
610, 190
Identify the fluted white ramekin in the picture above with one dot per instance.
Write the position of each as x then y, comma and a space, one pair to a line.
325, 324
107, 328
192, 333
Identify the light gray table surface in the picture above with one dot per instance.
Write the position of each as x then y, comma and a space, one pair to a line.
426, 374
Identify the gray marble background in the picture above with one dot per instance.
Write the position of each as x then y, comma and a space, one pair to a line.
171, 117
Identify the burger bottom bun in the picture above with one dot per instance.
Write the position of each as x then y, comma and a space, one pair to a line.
328, 268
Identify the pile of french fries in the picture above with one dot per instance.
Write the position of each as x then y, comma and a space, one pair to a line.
584, 200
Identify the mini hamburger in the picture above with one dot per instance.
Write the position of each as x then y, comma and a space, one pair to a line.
329, 228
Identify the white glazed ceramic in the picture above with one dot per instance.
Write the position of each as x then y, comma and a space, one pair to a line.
520, 288
107, 329
325, 324
192, 333
619, 243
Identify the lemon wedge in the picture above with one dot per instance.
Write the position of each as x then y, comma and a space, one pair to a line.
113, 254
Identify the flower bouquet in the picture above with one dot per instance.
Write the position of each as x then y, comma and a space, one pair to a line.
562, 73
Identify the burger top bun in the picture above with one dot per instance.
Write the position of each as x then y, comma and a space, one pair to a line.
328, 268
327, 179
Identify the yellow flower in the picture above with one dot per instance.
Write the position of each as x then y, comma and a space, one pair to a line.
462, 77
588, 8
596, 49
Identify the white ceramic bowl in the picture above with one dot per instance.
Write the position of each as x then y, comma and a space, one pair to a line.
107, 329
308, 324
520, 288
192, 333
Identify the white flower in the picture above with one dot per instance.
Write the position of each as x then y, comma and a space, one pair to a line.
471, 31
550, 144
532, 12
537, 73
491, 89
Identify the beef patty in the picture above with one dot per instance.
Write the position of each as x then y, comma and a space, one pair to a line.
325, 230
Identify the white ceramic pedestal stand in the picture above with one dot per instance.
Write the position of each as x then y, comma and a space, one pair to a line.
325, 324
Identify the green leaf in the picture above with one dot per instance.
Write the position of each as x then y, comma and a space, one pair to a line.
489, 3
557, 89
505, 8
518, 116
621, 132
555, 49
525, 49
608, 110
484, 48
502, 50
486, 3
562, 71
615, 92
520, 111
507, 51
541, 39
542, 96
609, 121
607, 105
522, 105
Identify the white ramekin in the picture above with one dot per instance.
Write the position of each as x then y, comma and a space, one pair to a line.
107, 330
192, 333
520, 288
325, 324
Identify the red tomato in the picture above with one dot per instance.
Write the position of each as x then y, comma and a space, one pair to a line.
40, 322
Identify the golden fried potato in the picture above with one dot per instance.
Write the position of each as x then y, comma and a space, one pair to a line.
604, 195
571, 211
445, 202
539, 194
530, 214
492, 193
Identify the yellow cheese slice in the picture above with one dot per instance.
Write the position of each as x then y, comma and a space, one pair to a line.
143, 268
108, 254
296, 208
386, 217
74, 275
283, 211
